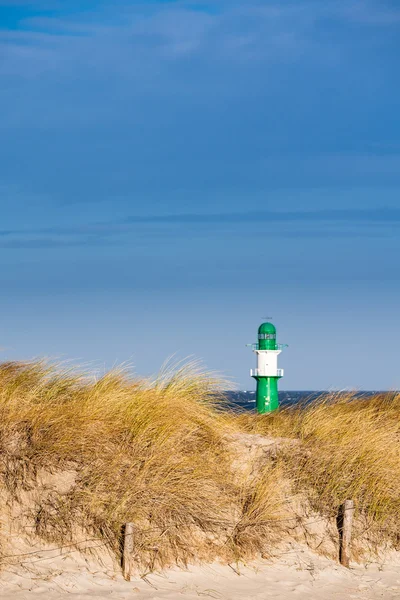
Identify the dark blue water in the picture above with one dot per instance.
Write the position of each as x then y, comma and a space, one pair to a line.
247, 400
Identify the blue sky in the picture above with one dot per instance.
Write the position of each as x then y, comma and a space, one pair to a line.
173, 172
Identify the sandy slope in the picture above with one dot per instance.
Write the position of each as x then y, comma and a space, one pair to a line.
297, 574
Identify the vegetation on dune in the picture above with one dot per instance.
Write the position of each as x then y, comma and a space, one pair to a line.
350, 448
152, 453
157, 454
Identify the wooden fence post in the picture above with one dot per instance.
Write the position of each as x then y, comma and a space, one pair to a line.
345, 524
127, 552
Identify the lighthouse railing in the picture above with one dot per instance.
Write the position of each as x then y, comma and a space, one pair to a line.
256, 346
262, 373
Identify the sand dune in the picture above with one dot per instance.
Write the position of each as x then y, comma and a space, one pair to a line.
81, 458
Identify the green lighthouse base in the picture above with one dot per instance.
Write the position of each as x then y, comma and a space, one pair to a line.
267, 399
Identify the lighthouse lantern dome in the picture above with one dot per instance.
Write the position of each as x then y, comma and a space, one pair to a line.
267, 328
267, 336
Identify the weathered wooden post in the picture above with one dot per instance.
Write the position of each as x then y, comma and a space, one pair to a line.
127, 552
345, 524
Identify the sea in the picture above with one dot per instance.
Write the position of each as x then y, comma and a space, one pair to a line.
247, 399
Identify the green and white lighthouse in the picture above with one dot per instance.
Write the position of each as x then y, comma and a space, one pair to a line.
267, 373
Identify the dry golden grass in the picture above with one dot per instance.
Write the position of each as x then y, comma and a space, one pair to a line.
155, 453
152, 453
350, 448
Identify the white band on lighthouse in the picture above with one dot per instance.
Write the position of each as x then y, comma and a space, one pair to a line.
267, 363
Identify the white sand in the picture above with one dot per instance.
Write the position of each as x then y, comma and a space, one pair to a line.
296, 574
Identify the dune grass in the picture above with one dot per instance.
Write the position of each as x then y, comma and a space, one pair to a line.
156, 453
350, 449
149, 452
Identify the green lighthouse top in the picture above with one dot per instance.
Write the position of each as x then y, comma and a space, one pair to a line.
267, 337
267, 328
